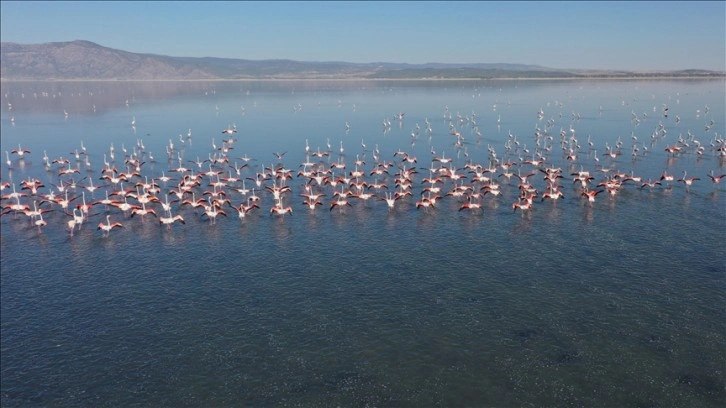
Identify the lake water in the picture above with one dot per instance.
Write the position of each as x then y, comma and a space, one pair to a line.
619, 302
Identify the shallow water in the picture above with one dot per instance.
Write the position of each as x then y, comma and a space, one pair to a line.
614, 303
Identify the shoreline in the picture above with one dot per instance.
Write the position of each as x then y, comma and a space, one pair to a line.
363, 79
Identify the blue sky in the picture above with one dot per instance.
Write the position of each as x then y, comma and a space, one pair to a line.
608, 35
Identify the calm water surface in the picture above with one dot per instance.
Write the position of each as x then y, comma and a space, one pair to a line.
620, 302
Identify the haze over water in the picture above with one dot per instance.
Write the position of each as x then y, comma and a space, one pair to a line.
619, 302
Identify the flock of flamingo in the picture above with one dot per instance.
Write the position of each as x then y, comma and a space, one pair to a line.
221, 185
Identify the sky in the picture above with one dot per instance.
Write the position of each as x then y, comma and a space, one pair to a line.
635, 36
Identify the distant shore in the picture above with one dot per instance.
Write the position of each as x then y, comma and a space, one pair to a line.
81, 61
364, 79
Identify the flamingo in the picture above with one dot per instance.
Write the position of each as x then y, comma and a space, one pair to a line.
40, 222
212, 212
522, 205
142, 211
36, 212
194, 202
108, 226
32, 184
553, 194
71, 226
253, 197
364, 196
340, 202
312, 203
84, 207
230, 130
246, 158
425, 202
243, 208
492, 189
310, 195
666, 177
64, 202
78, 219
443, 159
590, 194
164, 178
20, 151
279, 209
688, 181
650, 183
17, 207
470, 205
14, 194
168, 221
716, 179
166, 205
125, 206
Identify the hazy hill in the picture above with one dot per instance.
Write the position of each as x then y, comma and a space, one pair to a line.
84, 60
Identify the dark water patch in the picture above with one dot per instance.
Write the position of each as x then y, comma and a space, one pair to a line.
703, 384
567, 357
527, 334
659, 343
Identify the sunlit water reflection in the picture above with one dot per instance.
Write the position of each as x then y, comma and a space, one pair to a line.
614, 303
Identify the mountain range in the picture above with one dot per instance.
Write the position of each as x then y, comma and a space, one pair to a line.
85, 60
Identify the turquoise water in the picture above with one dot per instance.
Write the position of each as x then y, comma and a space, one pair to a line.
619, 302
